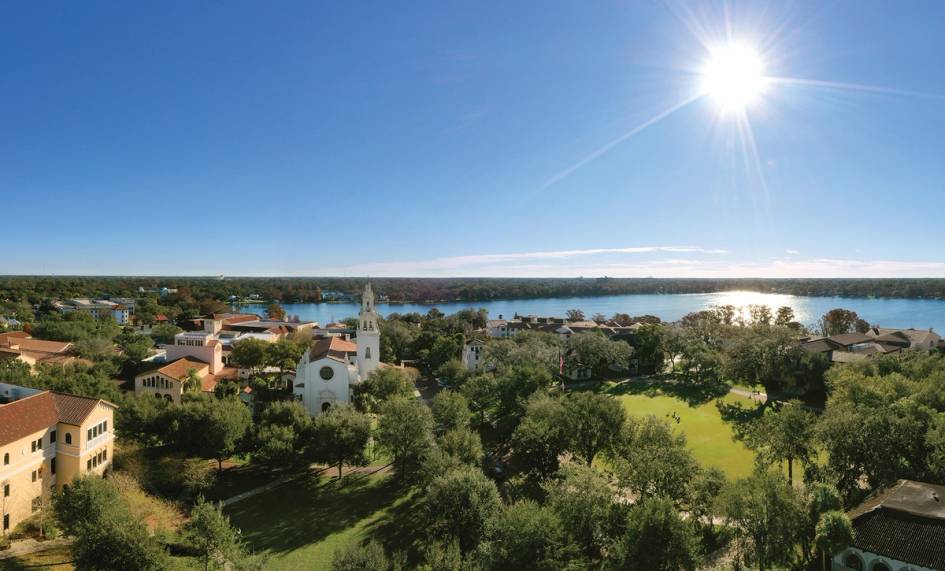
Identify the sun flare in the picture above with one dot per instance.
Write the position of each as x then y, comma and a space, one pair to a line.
734, 76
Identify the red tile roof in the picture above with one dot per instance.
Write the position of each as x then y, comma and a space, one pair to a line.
33, 413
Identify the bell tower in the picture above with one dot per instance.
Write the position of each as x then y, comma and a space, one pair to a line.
369, 335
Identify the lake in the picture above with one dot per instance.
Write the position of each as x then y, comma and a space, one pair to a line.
918, 313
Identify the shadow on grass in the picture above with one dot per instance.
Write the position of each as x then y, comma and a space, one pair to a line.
310, 509
403, 528
692, 393
739, 417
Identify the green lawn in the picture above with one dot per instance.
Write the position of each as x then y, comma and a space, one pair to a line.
54, 559
301, 524
709, 437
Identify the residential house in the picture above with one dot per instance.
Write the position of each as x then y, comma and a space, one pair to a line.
46, 440
901, 528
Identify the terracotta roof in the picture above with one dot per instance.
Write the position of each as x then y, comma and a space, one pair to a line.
13, 335
335, 347
23, 417
33, 413
36, 345
209, 382
178, 369
74, 409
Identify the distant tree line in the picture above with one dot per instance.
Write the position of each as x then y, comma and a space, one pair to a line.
36, 289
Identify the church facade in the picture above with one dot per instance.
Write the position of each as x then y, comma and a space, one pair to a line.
331, 367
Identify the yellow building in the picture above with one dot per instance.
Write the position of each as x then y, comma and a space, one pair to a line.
169, 382
46, 440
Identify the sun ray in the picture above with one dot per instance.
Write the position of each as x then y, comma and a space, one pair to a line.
609, 146
841, 86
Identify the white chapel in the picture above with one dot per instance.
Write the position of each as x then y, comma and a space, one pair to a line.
333, 365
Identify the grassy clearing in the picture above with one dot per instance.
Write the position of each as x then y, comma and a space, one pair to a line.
708, 435
301, 524
53, 559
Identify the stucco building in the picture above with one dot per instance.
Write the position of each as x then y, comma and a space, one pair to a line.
46, 440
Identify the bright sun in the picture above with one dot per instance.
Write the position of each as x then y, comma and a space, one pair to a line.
734, 76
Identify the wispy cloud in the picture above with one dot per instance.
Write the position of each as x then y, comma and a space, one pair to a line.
678, 262
791, 252
502, 263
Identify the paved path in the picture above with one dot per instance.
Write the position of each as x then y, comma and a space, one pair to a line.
28, 546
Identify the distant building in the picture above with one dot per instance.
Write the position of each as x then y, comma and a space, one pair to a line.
170, 381
473, 350
901, 528
21, 346
850, 347
97, 308
46, 440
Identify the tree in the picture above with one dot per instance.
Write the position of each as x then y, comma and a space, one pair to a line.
462, 444
652, 461
280, 434
656, 538
107, 536
583, 500
648, 348
461, 505
574, 315
211, 535
593, 422
339, 437
212, 428
356, 557
768, 518
785, 435
594, 350
284, 354
135, 347
834, 533
275, 311
95, 348
405, 431
165, 333
249, 354
381, 386
192, 382
839, 321
527, 537
453, 372
784, 317
397, 339
450, 411
540, 437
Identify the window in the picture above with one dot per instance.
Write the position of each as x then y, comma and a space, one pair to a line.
326, 373
6, 490
88, 464
880, 566
104, 455
37, 503
68, 438
6, 459
52, 436
34, 475
854, 562
6, 522
89, 434
367, 352
52, 465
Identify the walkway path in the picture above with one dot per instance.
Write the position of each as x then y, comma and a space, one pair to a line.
28, 546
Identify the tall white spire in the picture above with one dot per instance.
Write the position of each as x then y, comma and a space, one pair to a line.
369, 335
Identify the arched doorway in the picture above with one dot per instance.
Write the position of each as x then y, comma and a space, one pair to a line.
326, 406
168, 398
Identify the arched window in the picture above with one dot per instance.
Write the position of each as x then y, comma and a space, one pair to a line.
6, 458
367, 352
853, 561
326, 373
880, 566
68, 438
326, 406
168, 398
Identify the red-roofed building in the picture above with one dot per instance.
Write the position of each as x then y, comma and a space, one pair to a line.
46, 440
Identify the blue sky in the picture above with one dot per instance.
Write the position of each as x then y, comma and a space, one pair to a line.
441, 138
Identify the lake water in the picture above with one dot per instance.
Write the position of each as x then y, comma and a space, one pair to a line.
918, 313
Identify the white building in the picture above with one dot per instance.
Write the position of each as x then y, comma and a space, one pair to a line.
473, 354
332, 365
97, 308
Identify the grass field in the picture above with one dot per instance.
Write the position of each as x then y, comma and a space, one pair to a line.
709, 437
55, 559
301, 524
